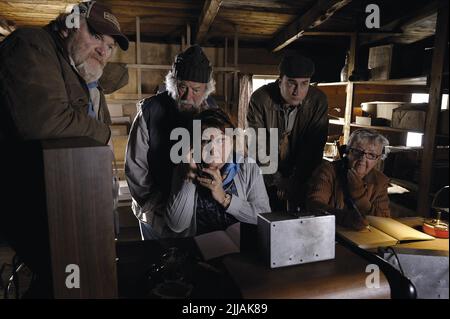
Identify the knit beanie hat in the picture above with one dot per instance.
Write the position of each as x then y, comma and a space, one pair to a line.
296, 66
192, 65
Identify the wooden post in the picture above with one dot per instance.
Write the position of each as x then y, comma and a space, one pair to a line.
188, 35
225, 77
352, 57
348, 110
235, 77
434, 105
138, 57
183, 42
350, 88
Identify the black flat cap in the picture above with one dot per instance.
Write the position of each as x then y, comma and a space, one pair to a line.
296, 66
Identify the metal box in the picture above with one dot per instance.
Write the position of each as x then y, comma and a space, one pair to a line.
427, 269
287, 239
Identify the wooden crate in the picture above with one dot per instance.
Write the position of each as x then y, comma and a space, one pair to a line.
118, 129
119, 145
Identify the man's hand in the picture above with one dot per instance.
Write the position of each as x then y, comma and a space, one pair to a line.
214, 184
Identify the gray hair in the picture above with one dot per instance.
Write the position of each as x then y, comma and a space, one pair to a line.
371, 136
171, 85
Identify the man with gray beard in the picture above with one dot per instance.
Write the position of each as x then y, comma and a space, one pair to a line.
48, 89
48, 76
148, 166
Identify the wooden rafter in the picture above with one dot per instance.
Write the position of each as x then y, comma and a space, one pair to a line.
6, 27
414, 26
209, 12
318, 14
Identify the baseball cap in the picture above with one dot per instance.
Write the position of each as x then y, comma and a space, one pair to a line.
101, 19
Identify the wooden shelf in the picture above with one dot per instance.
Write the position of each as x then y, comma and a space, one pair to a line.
411, 186
385, 128
127, 101
422, 80
406, 184
331, 84
169, 67
126, 98
419, 81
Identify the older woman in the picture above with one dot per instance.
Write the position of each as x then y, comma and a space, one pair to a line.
222, 190
352, 187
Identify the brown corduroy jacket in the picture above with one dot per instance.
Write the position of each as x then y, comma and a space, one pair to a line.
325, 190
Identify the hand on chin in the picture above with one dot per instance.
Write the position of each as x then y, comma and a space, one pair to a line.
360, 171
214, 165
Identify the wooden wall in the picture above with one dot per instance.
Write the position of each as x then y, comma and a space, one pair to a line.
254, 61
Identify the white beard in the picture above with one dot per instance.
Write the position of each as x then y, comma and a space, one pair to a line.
84, 66
88, 72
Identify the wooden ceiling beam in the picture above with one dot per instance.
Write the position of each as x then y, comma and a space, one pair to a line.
6, 27
315, 16
209, 13
414, 26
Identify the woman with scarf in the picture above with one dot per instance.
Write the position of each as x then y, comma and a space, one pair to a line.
225, 188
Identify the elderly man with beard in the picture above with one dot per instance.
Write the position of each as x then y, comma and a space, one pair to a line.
48, 76
148, 166
48, 89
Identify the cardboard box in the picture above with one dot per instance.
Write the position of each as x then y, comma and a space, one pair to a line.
119, 145
380, 61
363, 120
115, 110
130, 109
381, 109
411, 116
117, 130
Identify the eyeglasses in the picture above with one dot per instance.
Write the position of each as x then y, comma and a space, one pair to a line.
359, 153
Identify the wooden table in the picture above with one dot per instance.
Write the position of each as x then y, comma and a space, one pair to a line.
342, 277
245, 276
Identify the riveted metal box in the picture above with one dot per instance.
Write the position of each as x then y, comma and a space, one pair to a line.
286, 239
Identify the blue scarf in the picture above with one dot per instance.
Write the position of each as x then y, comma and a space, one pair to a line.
230, 170
91, 111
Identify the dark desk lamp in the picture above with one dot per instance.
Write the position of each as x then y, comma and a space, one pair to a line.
436, 227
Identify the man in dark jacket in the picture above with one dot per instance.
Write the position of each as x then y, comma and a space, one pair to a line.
300, 112
148, 166
48, 76
48, 89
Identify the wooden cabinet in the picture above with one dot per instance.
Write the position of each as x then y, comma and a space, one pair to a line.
57, 213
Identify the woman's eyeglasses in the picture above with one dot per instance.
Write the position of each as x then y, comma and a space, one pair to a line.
360, 153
